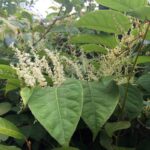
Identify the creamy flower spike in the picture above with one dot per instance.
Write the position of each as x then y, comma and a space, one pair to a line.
29, 71
58, 72
32, 71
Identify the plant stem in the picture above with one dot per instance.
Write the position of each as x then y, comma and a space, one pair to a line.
52, 24
28, 144
132, 71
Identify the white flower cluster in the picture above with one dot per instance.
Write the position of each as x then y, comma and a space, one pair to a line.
76, 68
117, 61
58, 71
31, 68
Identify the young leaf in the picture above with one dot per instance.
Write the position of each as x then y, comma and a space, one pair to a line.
58, 109
9, 129
100, 100
114, 126
4, 108
25, 94
123, 5
105, 20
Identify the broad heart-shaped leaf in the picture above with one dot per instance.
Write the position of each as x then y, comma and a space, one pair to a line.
9, 129
144, 81
107, 40
5, 147
143, 13
111, 127
105, 20
58, 109
4, 108
87, 48
123, 5
134, 101
100, 101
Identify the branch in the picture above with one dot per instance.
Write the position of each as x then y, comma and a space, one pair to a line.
132, 71
58, 17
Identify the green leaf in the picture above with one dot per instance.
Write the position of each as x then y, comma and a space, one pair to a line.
143, 59
4, 108
115, 126
144, 81
100, 101
134, 101
58, 109
6, 72
12, 84
66, 148
105, 140
93, 48
9, 129
148, 36
25, 94
123, 5
105, 20
103, 39
5, 147
142, 13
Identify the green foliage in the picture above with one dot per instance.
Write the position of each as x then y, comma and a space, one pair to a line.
9, 129
87, 48
102, 110
113, 22
4, 108
111, 127
142, 13
143, 59
4, 147
124, 6
25, 93
100, 101
6, 72
134, 101
60, 109
66, 148
144, 81
107, 40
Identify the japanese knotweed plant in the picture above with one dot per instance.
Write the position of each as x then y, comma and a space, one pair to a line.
60, 90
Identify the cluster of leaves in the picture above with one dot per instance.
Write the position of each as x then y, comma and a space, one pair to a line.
78, 114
